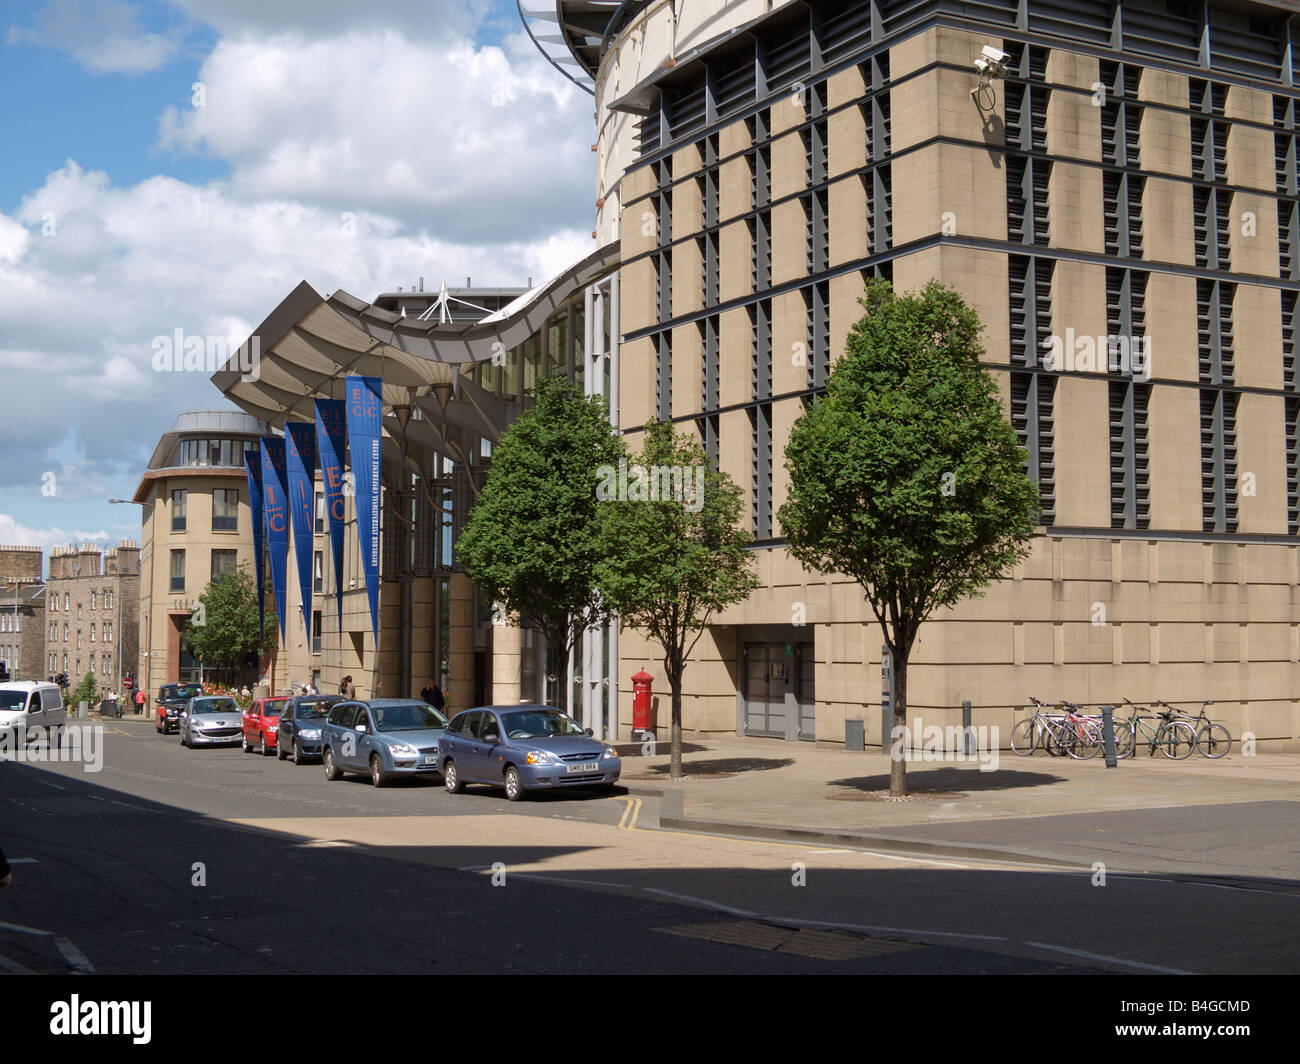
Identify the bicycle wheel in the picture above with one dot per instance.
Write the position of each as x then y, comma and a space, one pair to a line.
1123, 739
1213, 740
1024, 737
1176, 740
1085, 740
1052, 739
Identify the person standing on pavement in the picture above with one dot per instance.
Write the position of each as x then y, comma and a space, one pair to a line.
433, 696
139, 702
345, 688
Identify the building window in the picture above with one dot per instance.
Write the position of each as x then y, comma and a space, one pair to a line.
178, 570
318, 572
178, 510
108, 670
108, 631
225, 510
65, 636
223, 560
66, 602
315, 631
92, 600
320, 512
92, 631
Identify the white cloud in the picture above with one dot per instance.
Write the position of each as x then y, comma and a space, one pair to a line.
104, 36
475, 143
14, 534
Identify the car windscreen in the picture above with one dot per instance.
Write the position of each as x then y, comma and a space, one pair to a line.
13, 699
407, 716
180, 692
315, 710
538, 723
213, 705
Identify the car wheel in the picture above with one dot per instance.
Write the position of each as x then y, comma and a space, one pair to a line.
298, 759
332, 771
261, 745
377, 774
451, 778
279, 751
184, 740
244, 742
157, 727
514, 785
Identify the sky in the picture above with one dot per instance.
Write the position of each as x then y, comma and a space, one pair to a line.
185, 164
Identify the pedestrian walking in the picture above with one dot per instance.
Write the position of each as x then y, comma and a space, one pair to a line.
432, 695
139, 702
346, 689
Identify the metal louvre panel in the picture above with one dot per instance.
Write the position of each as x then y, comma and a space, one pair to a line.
1150, 28
1076, 20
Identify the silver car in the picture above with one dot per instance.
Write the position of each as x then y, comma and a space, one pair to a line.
212, 720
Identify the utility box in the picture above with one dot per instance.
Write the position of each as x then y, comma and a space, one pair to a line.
855, 735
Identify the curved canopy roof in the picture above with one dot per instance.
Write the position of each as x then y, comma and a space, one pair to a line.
309, 343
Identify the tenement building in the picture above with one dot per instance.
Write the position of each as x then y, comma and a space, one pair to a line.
1113, 187
22, 614
91, 603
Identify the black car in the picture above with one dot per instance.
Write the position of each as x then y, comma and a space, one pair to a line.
301, 720
170, 704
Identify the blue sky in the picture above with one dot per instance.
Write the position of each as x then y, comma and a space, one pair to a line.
131, 206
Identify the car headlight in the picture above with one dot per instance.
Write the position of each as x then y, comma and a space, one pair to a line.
403, 750
611, 752
309, 733
541, 757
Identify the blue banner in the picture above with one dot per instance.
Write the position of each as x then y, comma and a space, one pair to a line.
332, 442
365, 407
253, 467
300, 459
275, 501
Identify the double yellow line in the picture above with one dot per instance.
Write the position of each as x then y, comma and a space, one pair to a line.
627, 822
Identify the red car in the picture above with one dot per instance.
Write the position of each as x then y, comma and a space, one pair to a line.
260, 722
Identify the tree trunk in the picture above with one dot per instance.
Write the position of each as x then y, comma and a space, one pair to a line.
675, 760
898, 750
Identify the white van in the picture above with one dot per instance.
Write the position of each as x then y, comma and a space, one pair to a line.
30, 705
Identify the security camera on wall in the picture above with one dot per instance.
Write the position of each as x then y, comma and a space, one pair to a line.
991, 65
992, 62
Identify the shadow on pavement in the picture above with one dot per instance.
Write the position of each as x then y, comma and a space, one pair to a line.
940, 780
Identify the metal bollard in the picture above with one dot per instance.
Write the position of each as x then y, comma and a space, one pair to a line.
1108, 734
967, 732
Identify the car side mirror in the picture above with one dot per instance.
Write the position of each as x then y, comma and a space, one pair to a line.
362, 729
588, 731
491, 737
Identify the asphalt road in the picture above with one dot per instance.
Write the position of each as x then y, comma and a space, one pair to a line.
172, 860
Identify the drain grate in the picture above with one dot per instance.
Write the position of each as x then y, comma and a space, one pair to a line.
823, 945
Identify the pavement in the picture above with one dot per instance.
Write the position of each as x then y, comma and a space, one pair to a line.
1234, 817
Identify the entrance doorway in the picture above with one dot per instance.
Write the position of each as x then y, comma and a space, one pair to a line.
778, 699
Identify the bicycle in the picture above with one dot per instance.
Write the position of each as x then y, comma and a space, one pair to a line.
1174, 738
1065, 734
1212, 740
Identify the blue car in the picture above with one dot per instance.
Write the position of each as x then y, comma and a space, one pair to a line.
524, 748
301, 723
386, 738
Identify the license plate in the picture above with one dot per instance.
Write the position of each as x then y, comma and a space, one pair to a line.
431, 760
589, 767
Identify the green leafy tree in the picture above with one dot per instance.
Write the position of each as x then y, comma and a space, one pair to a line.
85, 691
222, 630
906, 474
531, 540
669, 564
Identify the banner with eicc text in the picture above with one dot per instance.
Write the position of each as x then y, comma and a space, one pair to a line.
275, 499
365, 428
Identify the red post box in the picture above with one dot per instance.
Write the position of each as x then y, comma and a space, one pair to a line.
641, 683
